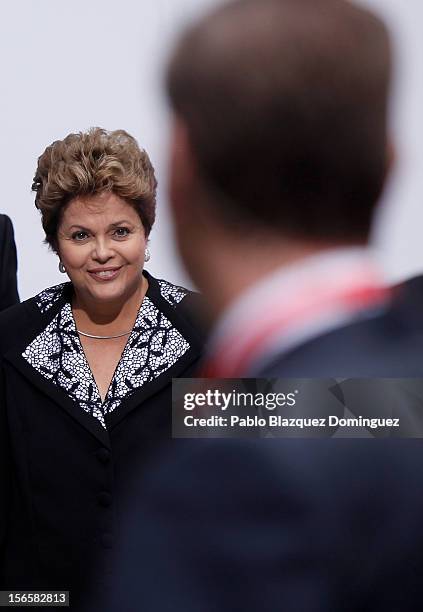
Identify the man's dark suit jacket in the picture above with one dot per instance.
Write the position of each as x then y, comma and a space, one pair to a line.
287, 525
409, 297
8, 264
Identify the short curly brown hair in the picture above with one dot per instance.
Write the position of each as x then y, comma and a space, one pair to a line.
90, 163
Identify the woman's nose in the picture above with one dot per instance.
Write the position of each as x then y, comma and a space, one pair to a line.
103, 250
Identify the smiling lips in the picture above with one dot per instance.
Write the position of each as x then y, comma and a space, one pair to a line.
104, 274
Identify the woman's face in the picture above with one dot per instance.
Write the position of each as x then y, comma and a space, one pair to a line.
101, 243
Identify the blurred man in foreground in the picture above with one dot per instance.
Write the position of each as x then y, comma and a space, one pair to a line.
279, 156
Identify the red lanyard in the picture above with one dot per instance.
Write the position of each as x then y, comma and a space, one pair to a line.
234, 355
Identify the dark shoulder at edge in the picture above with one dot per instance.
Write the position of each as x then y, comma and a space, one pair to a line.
13, 321
192, 308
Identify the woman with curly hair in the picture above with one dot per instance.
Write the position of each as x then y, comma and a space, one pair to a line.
86, 368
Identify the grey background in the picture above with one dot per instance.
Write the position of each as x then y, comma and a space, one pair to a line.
68, 66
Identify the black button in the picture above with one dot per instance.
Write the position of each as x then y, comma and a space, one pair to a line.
106, 540
103, 455
104, 499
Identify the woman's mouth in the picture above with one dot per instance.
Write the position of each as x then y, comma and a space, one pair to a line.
104, 274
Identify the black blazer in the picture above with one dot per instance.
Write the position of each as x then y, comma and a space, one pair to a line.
66, 459
8, 264
316, 525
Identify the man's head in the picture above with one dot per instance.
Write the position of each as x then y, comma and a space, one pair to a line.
280, 121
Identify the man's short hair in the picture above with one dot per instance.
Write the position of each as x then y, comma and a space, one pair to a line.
285, 102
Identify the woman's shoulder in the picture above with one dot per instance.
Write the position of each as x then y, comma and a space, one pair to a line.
171, 293
22, 320
186, 303
47, 298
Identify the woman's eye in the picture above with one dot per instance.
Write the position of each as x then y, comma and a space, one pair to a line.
78, 236
121, 232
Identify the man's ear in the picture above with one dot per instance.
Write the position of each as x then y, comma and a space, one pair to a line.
391, 157
182, 170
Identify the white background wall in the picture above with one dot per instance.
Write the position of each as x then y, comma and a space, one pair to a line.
66, 66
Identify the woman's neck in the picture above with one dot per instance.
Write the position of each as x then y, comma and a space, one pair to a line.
108, 317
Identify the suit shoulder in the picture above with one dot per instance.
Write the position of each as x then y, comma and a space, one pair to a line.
176, 295
173, 294
382, 346
187, 304
17, 321
6, 225
12, 314
48, 297
6, 228
12, 321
